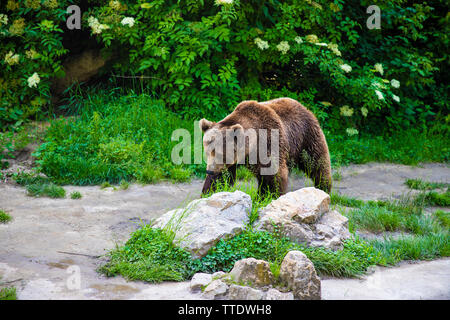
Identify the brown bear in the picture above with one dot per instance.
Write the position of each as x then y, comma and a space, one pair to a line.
299, 142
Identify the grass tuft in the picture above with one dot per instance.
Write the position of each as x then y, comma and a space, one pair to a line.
419, 184
4, 217
50, 190
8, 294
75, 195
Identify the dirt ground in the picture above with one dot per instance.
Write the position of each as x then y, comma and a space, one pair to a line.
50, 242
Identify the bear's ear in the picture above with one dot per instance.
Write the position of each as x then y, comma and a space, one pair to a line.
236, 127
235, 131
205, 125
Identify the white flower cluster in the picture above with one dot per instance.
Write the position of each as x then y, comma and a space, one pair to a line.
378, 85
298, 39
11, 58
33, 80
395, 83
96, 26
222, 2
351, 131
31, 54
396, 98
379, 68
283, 47
346, 68
3, 19
116, 5
379, 95
129, 21
263, 45
346, 111
364, 111
335, 49
322, 44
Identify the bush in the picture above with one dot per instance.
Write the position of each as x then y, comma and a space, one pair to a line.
202, 58
31, 54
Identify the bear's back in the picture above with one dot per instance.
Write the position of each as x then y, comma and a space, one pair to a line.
299, 123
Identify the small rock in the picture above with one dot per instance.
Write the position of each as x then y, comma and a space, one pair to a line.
199, 281
237, 292
217, 289
298, 273
274, 294
203, 222
252, 271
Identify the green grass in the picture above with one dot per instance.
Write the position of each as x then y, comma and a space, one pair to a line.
244, 174
409, 147
4, 217
434, 198
75, 195
114, 139
342, 200
39, 186
124, 185
419, 184
8, 294
418, 247
105, 185
443, 218
150, 256
50, 190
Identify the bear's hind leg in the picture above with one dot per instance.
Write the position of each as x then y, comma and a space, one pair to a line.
318, 169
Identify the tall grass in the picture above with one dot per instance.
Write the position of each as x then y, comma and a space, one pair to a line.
121, 139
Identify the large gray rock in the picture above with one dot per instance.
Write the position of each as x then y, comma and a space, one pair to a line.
298, 274
304, 217
237, 292
203, 222
252, 272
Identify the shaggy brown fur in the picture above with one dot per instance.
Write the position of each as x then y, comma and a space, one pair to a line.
301, 144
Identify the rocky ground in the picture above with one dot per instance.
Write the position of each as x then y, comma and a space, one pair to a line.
50, 240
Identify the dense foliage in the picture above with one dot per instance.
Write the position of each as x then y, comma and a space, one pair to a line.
203, 57
30, 56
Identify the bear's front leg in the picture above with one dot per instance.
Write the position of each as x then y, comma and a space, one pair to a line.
212, 181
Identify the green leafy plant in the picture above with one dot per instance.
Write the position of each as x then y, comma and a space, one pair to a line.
75, 195
31, 54
4, 217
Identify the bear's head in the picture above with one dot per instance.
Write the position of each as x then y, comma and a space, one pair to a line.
223, 144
